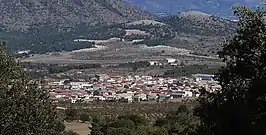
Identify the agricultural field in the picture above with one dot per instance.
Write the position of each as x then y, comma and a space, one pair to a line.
121, 52
149, 110
115, 59
132, 118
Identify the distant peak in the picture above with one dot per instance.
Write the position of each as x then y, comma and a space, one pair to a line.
193, 13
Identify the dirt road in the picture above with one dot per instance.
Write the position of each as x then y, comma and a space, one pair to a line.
80, 128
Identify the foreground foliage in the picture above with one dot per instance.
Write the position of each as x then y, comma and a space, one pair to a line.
25, 109
239, 108
177, 122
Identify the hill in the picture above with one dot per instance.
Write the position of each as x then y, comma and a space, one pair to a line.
48, 26
192, 30
44, 25
221, 8
24, 14
199, 31
180, 36
200, 23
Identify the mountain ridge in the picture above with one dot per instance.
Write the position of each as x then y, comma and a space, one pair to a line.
52, 26
21, 15
222, 8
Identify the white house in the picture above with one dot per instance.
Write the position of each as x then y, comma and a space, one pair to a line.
23, 52
174, 64
137, 77
98, 98
81, 86
110, 80
137, 40
180, 94
150, 82
204, 77
170, 60
73, 100
155, 63
146, 77
188, 94
88, 98
140, 97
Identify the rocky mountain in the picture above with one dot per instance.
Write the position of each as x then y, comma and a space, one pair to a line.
20, 15
216, 7
196, 22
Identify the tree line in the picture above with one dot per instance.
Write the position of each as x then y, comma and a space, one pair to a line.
57, 68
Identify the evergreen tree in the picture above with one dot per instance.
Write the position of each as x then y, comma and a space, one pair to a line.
240, 107
25, 109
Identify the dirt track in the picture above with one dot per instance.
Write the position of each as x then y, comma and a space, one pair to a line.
80, 128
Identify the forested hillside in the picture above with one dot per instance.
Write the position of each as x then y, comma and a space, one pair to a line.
44, 25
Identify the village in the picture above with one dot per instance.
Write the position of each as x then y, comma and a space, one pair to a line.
105, 88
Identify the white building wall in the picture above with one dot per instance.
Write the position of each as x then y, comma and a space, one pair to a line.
188, 94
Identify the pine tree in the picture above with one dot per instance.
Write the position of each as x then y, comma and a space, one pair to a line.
240, 107
25, 109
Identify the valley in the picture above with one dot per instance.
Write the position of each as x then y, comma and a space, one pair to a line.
177, 37
131, 67
77, 39
114, 54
